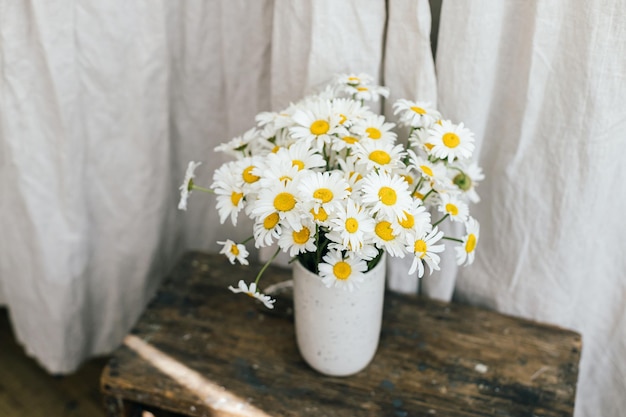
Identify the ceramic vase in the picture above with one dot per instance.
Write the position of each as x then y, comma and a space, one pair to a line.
337, 331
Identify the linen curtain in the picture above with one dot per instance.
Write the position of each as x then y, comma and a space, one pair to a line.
543, 86
104, 103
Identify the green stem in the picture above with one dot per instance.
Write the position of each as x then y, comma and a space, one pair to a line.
453, 239
206, 190
419, 184
248, 239
441, 219
428, 193
258, 276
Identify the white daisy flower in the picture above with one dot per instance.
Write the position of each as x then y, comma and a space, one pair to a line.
320, 217
387, 194
360, 87
234, 252
409, 174
451, 141
353, 172
278, 168
453, 206
353, 79
466, 178
298, 241
425, 250
429, 170
413, 222
323, 190
275, 120
343, 272
418, 140
348, 140
316, 123
351, 226
253, 292
240, 146
247, 173
187, 185
368, 92
283, 198
266, 229
385, 238
304, 157
375, 128
416, 114
380, 155
465, 252
230, 194
348, 111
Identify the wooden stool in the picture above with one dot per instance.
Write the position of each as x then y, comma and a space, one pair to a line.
199, 350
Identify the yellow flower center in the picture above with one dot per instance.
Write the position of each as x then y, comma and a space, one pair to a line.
298, 163
323, 194
342, 118
419, 195
373, 133
429, 146
284, 202
271, 221
234, 250
275, 148
452, 209
302, 236
342, 270
319, 127
352, 224
380, 157
248, 176
354, 80
426, 170
451, 140
235, 197
350, 139
407, 178
408, 222
387, 196
361, 88
418, 110
420, 247
470, 245
359, 177
320, 216
383, 230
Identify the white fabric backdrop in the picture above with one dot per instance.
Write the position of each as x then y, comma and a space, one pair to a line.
103, 104
543, 86
85, 172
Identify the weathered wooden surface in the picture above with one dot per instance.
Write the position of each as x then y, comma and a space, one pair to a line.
434, 358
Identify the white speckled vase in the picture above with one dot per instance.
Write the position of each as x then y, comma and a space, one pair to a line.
337, 331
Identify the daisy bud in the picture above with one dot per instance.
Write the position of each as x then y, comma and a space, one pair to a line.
463, 181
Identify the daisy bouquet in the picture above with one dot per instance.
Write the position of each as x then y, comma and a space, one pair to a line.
328, 181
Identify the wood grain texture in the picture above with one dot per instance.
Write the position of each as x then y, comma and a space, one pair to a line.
434, 358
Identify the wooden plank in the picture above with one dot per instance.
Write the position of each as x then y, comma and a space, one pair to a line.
434, 358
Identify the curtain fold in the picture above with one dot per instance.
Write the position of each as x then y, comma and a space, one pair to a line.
409, 72
543, 86
86, 179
